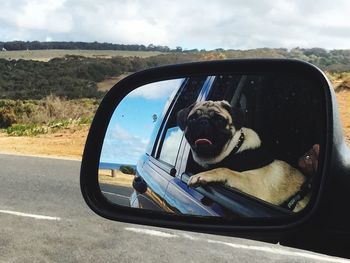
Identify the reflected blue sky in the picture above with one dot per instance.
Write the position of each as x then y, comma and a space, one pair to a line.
132, 122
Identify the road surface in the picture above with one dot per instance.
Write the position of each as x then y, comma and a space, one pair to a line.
117, 194
43, 218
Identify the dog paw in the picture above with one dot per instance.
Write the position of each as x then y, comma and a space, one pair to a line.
197, 180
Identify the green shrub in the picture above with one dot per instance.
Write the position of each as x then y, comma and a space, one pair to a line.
26, 130
127, 169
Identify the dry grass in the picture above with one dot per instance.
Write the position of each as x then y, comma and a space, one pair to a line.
49, 109
341, 84
46, 55
32, 117
343, 99
55, 108
107, 84
67, 143
340, 81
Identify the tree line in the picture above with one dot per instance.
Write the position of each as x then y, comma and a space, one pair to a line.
37, 45
336, 60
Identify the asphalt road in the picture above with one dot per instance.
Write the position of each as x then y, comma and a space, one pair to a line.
117, 194
43, 218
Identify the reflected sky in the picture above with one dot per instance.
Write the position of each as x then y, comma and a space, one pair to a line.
133, 121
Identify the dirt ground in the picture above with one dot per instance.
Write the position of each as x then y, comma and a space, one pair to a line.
110, 82
69, 143
105, 176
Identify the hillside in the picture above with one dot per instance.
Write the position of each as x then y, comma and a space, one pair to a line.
46, 106
74, 77
69, 141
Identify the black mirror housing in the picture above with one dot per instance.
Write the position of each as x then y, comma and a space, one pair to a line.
327, 219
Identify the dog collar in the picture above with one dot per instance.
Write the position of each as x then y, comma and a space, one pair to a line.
292, 201
239, 143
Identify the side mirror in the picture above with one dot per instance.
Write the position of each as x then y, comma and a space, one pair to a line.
241, 147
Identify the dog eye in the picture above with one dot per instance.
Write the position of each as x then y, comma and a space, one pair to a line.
221, 120
199, 112
195, 115
192, 117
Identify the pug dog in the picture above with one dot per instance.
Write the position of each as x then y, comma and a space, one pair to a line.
234, 155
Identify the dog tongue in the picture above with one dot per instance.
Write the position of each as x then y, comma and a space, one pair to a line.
203, 141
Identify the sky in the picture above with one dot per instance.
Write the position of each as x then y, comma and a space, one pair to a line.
132, 122
228, 24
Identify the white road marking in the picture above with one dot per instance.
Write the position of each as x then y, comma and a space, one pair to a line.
273, 250
190, 237
30, 215
151, 232
280, 251
109, 193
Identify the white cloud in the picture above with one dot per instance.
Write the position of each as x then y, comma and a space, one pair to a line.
238, 24
48, 15
157, 90
171, 145
120, 146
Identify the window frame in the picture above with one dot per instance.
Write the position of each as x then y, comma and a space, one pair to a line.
173, 170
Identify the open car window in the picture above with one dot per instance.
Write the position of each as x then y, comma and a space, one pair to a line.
171, 136
285, 138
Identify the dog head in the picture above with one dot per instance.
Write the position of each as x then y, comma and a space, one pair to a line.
209, 126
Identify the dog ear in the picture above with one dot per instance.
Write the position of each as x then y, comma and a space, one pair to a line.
182, 116
226, 105
237, 114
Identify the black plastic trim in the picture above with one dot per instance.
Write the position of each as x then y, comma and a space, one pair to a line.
245, 227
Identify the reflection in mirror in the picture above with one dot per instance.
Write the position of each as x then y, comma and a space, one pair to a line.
127, 137
233, 145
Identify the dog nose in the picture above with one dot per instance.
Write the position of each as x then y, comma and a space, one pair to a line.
204, 123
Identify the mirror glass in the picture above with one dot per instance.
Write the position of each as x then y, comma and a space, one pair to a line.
230, 145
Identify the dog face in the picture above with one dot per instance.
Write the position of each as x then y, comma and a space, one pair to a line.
209, 126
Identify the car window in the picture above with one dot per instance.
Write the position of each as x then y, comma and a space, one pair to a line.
223, 87
159, 118
172, 135
284, 138
171, 145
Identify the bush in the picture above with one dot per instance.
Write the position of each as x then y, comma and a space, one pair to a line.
7, 117
32, 117
127, 169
